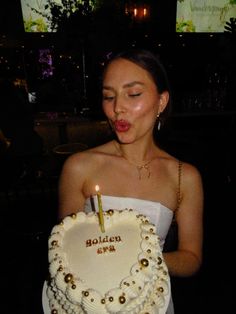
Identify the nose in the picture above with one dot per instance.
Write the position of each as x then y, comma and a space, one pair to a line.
119, 106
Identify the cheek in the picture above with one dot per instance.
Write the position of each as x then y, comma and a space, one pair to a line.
108, 110
144, 109
138, 108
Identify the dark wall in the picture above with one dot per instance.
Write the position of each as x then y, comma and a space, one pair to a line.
164, 15
11, 21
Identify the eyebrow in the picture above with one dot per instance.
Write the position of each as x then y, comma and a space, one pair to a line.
131, 84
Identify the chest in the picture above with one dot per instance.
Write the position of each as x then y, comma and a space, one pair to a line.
153, 183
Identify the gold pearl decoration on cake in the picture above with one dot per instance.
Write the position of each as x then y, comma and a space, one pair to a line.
111, 299
60, 268
73, 215
149, 251
103, 301
159, 260
144, 262
122, 299
110, 212
126, 284
54, 311
68, 278
160, 289
86, 293
54, 242
73, 286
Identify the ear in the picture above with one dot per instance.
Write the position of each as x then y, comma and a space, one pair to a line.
164, 99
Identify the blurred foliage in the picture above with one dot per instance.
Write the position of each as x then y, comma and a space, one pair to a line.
183, 26
37, 25
60, 14
230, 26
81, 16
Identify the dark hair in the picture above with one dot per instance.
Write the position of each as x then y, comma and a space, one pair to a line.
150, 62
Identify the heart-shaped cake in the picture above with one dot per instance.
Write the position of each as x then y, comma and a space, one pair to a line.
121, 270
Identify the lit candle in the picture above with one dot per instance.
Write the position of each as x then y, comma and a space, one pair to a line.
100, 211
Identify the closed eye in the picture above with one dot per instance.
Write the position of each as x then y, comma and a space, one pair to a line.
135, 95
108, 97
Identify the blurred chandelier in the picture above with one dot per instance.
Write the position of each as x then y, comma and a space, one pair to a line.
138, 10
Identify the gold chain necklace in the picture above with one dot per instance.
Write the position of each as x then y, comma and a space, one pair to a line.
140, 168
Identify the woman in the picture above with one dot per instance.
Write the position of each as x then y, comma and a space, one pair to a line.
132, 170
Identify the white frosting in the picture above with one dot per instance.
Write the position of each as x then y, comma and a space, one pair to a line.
119, 271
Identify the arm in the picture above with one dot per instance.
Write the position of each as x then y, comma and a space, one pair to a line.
70, 189
187, 259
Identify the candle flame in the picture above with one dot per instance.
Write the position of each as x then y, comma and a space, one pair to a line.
97, 188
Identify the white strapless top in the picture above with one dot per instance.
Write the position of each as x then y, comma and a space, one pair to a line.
159, 215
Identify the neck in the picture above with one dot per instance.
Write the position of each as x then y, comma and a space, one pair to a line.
142, 164
136, 153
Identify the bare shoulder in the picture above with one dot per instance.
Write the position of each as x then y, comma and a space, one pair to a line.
191, 184
88, 159
190, 173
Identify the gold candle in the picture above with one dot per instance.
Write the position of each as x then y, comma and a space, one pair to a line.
100, 210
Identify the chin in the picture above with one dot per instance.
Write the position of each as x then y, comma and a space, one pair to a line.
125, 138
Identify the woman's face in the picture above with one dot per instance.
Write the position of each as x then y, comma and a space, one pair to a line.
131, 100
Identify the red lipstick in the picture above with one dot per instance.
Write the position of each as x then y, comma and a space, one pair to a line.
122, 125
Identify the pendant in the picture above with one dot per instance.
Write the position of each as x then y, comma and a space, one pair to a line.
144, 167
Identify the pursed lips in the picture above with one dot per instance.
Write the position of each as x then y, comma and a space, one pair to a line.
122, 125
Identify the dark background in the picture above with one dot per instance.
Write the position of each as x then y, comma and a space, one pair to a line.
201, 130
195, 62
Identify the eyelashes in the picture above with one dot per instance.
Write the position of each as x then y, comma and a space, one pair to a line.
135, 95
110, 98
